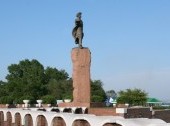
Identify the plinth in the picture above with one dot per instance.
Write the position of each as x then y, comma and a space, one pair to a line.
81, 60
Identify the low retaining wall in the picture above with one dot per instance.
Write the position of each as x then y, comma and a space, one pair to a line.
138, 113
162, 114
102, 111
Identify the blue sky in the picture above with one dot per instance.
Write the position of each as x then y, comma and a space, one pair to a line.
129, 40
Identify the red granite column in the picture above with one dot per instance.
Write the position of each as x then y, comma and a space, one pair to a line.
81, 59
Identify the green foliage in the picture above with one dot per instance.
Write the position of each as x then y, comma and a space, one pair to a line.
28, 80
67, 96
6, 100
53, 73
132, 97
96, 98
97, 91
48, 99
112, 94
25, 97
59, 89
3, 89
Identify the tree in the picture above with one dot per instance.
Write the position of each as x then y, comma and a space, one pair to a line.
132, 97
6, 100
58, 84
60, 89
111, 93
53, 73
4, 97
26, 79
97, 91
29, 80
48, 99
3, 90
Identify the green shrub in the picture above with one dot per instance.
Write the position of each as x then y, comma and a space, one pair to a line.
20, 100
6, 100
96, 98
48, 99
67, 96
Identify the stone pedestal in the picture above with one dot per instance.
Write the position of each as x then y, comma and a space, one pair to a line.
81, 60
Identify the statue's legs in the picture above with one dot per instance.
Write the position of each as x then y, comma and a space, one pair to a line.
79, 37
80, 40
80, 43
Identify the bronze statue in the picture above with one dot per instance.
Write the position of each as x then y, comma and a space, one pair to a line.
78, 30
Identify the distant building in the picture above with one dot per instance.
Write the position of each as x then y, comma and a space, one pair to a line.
153, 102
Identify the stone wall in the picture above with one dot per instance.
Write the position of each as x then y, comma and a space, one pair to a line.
97, 105
102, 111
162, 114
3, 106
138, 113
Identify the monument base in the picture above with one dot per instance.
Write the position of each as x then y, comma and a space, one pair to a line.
81, 59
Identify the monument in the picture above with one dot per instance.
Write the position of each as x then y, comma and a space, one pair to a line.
81, 60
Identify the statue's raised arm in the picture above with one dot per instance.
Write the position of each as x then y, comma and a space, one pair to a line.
77, 31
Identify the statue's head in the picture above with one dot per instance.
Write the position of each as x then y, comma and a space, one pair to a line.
78, 14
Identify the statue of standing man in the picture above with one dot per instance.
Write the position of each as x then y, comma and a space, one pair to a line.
78, 30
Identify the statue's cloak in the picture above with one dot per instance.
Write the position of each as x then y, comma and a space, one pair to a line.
75, 34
